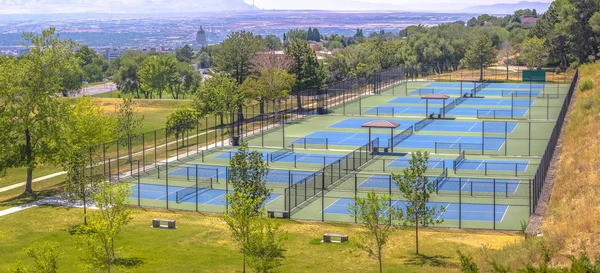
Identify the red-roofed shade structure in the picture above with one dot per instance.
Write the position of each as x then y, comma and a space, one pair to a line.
381, 124
435, 97
473, 80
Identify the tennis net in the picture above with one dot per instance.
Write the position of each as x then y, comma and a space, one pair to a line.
185, 193
458, 160
397, 139
460, 100
448, 107
279, 154
422, 124
439, 181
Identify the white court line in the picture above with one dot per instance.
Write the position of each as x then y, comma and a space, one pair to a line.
470, 129
443, 212
505, 211
340, 142
332, 204
213, 199
482, 162
273, 200
468, 180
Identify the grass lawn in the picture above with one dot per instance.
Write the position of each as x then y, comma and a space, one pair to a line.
201, 243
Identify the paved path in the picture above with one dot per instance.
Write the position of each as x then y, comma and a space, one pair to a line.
96, 89
52, 200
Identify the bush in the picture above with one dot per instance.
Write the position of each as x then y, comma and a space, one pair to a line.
587, 105
586, 85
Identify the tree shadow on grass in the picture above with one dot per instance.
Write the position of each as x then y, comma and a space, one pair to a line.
435, 261
129, 262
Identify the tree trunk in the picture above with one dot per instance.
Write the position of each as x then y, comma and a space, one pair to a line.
507, 71
380, 261
481, 72
417, 234
29, 158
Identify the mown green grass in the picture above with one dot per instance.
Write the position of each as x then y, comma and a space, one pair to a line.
202, 243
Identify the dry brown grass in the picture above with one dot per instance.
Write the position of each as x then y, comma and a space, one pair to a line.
573, 219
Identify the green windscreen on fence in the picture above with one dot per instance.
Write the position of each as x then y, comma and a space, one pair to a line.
534, 75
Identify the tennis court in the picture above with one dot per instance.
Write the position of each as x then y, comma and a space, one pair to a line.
468, 185
276, 176
515, 86
453, 211
205, 196
474, 165
306, 158
413, 141
467, 101
436, 125
458, 111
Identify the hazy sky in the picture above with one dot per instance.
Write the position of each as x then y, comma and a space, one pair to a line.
359, 4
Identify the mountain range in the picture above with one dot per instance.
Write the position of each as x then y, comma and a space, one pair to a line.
540, 7
121, 6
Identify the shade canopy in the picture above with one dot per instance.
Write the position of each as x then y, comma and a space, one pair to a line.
435, 96
469, 80
381, 124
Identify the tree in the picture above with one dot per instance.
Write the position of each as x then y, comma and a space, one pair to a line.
248, 171
269, 85
506, 55
45, 258
127, 76
375, 213
480, 53
184, 54
128, 125
219, 95
180, 121
182, 80
272, 42
87, 127
235, 53
99, 235
92, 64
265, 245
31, 115
416, 190
269, 60
308, 70
156, 73
534, 52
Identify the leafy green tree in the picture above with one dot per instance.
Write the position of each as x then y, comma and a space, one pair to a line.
87, 127
156, 73
241, 215
480, 54
534, 52
92, 64
98, 237
416, 190
180, 121
184, 54
182, 80
235, 53
308, 70
45, 258
219, 95
269, 85
31, 116
265, 245
375, 213
127, 76
248, 171
128, 125
272, 42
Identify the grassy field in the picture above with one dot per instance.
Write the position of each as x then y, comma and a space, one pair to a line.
154, 113
202, 243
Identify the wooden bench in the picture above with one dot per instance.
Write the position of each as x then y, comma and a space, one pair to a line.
327, 238
170, 223
284, 213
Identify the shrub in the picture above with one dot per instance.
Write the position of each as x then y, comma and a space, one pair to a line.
586, 85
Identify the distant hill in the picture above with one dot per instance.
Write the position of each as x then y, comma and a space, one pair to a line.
120, 6
540, 7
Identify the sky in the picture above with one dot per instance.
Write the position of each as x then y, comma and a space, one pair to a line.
362, 4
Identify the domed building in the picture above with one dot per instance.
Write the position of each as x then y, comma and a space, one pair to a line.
201, 37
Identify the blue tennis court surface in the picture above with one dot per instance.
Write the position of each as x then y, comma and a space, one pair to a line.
468, 212
436, 125
465, 85
414, 141
291, 157
205, 196
468, 101
468, 185
277, 176
484, 92
458, 111
433, 163
493, 165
